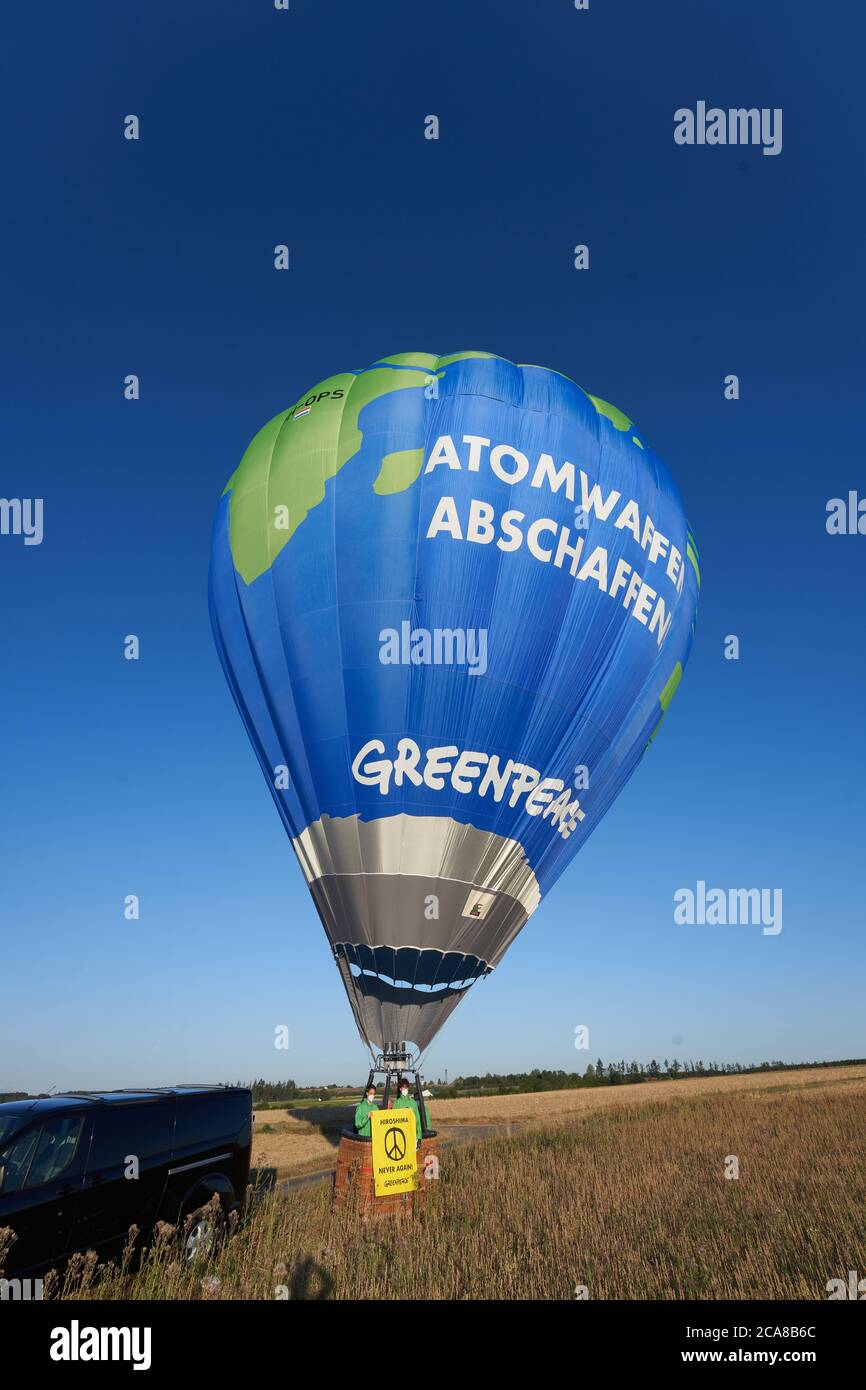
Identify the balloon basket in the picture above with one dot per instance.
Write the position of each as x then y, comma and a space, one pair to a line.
353, 1180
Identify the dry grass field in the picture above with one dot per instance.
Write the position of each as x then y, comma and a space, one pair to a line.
289, 1145
621, 1191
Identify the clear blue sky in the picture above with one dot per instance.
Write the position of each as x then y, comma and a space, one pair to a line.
260, 127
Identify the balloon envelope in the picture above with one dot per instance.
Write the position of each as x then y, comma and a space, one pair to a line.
453, 598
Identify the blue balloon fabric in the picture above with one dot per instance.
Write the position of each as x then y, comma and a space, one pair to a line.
453, 598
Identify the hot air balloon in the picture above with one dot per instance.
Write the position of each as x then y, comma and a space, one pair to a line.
453, 598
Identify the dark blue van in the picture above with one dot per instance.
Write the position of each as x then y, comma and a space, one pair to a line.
78, 1170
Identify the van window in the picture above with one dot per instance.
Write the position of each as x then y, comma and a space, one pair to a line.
15, 1160
206, 1120
58, 1140
141, 1130
9, 1124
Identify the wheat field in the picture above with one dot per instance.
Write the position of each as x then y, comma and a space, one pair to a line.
290, 1143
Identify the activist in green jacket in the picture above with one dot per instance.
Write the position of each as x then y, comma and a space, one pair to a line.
404, 1101
363, 1113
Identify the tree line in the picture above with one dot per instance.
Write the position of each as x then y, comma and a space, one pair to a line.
598, 1073
601, 1073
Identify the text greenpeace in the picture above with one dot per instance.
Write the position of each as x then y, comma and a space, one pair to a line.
548, 540
469, 773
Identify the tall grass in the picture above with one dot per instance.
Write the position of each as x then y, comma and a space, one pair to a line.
630, 1204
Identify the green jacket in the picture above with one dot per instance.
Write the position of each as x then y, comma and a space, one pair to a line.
362, 1118
410, 1103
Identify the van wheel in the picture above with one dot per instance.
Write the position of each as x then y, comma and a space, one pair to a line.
203, 1231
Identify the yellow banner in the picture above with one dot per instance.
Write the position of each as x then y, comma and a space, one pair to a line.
394, 1163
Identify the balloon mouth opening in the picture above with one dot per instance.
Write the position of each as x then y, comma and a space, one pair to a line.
408, 975
444, 985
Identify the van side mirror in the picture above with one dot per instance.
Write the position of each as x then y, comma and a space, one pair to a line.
2, 1174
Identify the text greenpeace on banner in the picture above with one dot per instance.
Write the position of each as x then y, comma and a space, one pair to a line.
394, 1162
549, 541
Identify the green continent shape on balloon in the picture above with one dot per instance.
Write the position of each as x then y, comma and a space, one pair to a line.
610, 412
617, 417
399, 471
670, 688
667, 694
293, 456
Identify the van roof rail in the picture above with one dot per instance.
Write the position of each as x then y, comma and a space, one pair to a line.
101, 1097
79, 1095
208, 1086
